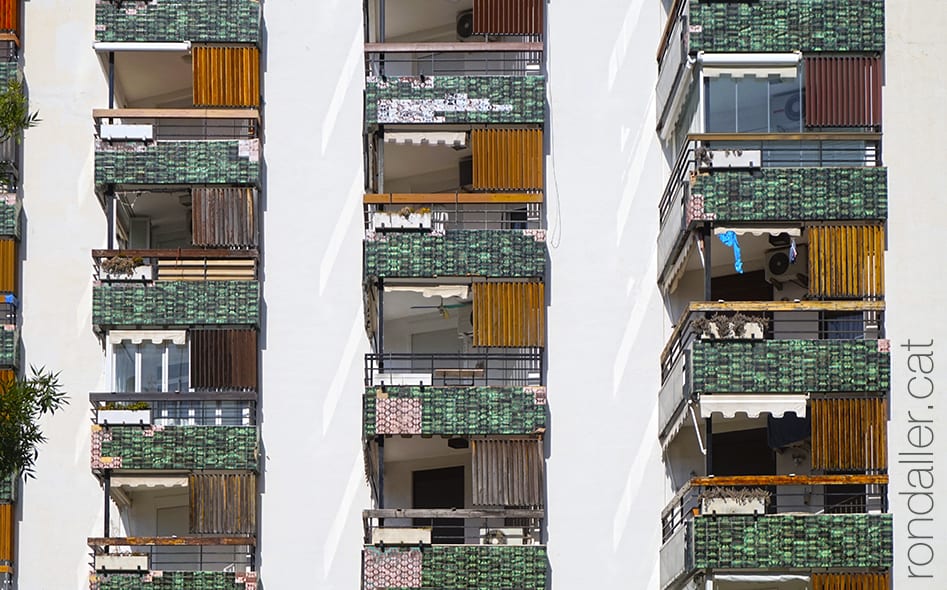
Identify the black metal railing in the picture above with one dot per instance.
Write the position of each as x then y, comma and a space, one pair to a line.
775, 320
178, 124
458, 59
439, 216
710, 151
491, 368
218, 408
453, 526
776, 494
188, 553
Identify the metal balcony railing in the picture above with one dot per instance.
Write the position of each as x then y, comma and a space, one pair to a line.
776, 494
453, 526
193, 264
492, 369
179, 553
441, 212
199, 408
147, 125
457, 59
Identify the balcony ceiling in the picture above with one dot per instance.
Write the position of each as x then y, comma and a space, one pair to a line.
423, 20
415, 448
150, 79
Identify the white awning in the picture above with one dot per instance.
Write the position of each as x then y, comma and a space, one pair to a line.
138, 483
449, 138
444, 291
759, 231
730, 405
759, 579
759, 65
155, 336
678, 423
680, 265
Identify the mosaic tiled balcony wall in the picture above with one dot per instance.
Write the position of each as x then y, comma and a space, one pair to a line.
223, 21
232, 162
177, 303
175, 447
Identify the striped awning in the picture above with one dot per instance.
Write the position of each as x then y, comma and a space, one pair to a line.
457, 139
729, 405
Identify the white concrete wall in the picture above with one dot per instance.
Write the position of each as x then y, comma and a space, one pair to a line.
314, 478
63, 222
606, 318
914, 132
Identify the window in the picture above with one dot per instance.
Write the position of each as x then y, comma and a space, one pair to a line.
149, 362
750, 104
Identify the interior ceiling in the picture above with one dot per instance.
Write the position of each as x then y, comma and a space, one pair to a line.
414, 448
399, 305
404, 161
150, 79
169, 212
753, 250
403, 18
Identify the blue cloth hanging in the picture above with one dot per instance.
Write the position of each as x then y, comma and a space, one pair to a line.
730, 239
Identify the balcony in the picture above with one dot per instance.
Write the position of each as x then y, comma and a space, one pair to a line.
485, 548
765, 181
486, 253
143, 147
803, 525
10, 208
154, 447
457, 211
211, 21
9, 347
453, 411
207, 562
797, 350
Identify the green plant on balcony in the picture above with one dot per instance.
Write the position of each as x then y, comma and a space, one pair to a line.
15, 115
125, 406
122, 266
23, 403
737, 325
734, 500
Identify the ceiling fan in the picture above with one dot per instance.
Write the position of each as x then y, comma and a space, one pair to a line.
444, 307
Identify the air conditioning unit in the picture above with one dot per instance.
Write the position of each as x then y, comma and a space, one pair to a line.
780, 269
505, 536
465, 24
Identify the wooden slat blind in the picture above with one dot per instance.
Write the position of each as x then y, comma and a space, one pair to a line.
224, 359
6, 532
849, 434
507, 159
223, 217
843, 91
10, 16
222, 504
226, 76
507, 472
8, 264
509, 314
508, 17
846, 261
851, 581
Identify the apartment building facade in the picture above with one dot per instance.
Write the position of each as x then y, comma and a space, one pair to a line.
444, 294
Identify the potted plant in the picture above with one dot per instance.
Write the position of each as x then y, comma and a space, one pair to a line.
113, 413
125, 267
405, 218
738, 325
122, 562
727, 500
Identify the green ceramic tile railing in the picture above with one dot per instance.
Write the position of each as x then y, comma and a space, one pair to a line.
456, 99
462, 410
794, 194
10, 217
9, 349
789, 366
177, 303
8, 489
9, 70
766, 26
175, 447
228, 161
488, 253
789, 542
458, 567
167, 581
218, 21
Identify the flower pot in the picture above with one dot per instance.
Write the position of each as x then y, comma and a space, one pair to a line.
751, 331
113, 417
141, 273
386, 221
733, 506
121, 562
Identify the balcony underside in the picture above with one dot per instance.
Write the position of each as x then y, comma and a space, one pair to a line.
450, 411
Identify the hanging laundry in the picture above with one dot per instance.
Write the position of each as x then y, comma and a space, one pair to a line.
730, 239
792, 250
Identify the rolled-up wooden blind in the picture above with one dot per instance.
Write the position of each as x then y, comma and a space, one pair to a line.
507, 472
223, 217
224, 359
222, 504
508, 17
849, 434
6, 532
507, 159
10, 16
843, 91
8, 264
226, 76
509, 314
846, 261
851, 581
